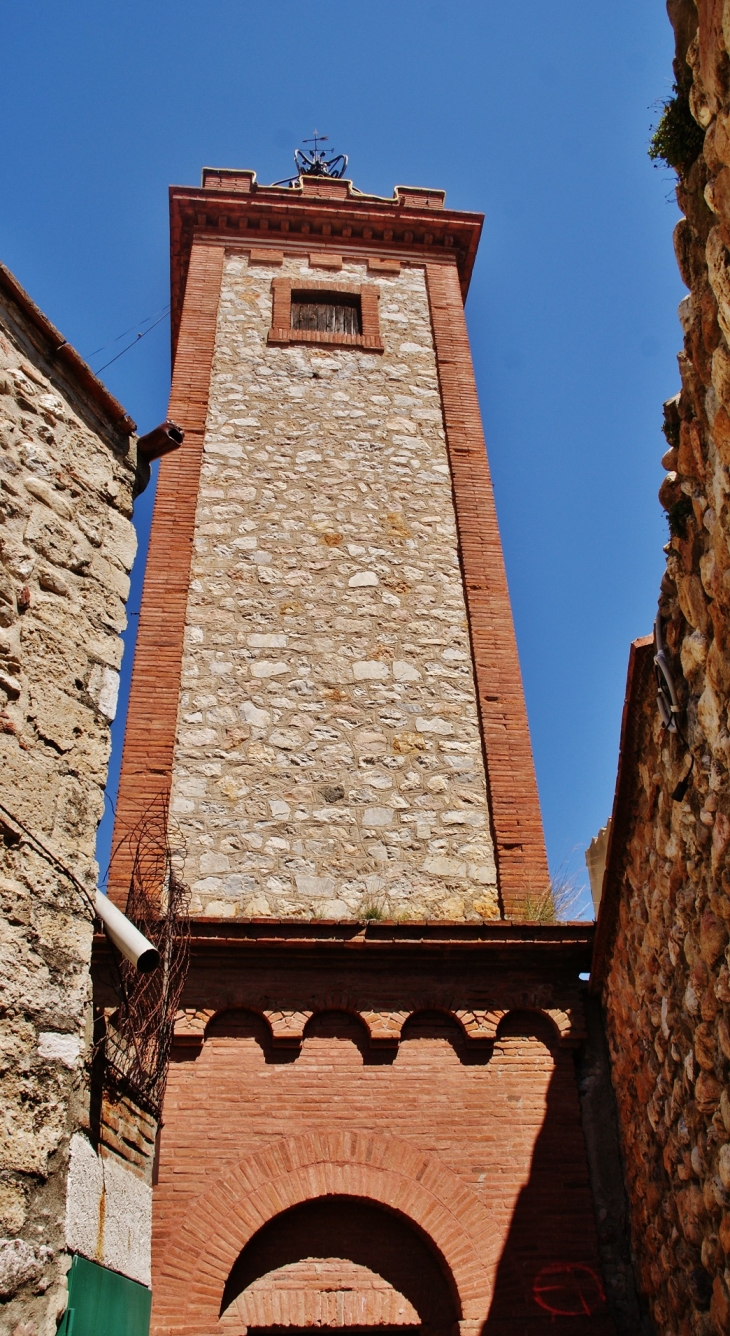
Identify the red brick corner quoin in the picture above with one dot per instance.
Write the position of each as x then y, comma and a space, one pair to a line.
152, 718
387, 1171
515, 805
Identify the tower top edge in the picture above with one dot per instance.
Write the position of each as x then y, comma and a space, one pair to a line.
319, 212
242, 181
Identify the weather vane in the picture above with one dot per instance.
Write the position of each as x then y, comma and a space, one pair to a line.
317, 162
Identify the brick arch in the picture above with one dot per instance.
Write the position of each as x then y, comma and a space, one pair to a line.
288, 1027
544, 1021
348, 1013
384, 1170
453, 1025
344, 1234
485, 1024
219, 1017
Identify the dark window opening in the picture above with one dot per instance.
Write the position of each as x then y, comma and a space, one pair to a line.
327, 312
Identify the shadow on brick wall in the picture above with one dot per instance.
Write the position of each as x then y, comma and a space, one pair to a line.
549, 1274
377, 1239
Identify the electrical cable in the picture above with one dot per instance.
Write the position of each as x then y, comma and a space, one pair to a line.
132, 344
137, 325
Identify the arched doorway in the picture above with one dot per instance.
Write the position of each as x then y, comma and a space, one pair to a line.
386, 1172
340, 1263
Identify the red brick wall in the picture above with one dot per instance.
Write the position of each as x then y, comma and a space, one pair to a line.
128, 1132
514, 801
152, 718
481, 1151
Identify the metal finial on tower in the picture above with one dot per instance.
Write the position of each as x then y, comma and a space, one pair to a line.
317, 162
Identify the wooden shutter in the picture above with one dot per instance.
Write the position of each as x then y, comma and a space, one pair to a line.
329, 313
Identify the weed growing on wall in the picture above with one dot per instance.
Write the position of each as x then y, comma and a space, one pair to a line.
677, 139
371, 912
677, 517
557, 903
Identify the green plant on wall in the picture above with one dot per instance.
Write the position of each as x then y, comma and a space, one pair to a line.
670, 429
677, 517
539, 908
558, 902
372, 911
677, 139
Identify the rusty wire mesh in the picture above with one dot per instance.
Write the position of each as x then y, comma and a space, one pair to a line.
139, 1033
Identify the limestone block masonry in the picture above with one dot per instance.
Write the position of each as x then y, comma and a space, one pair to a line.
67, 477
328, 760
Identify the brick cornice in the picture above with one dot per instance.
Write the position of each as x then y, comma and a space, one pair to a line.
563, 947
407, 227
514, 803
152, 717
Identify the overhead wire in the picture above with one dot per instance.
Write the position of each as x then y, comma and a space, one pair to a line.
137, 325
132, 344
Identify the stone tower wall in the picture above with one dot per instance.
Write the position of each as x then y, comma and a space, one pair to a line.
328, 757
662, 952
326, 668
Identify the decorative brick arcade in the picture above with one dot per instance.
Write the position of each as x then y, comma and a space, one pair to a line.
372, 1119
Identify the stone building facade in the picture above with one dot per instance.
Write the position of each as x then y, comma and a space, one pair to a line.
68, 474
661, 958
379, 1106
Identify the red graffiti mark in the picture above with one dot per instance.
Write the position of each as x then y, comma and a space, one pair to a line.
568, 1289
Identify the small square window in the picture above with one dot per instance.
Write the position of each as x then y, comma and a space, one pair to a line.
346, 317
327, 312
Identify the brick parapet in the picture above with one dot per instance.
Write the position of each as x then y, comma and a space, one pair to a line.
413, 225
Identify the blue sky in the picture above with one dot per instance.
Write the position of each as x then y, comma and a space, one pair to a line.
537, 115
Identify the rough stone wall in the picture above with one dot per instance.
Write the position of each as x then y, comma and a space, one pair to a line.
66, 545
328, 759
667, 989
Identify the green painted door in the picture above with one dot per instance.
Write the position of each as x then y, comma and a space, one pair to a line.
103, 1303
